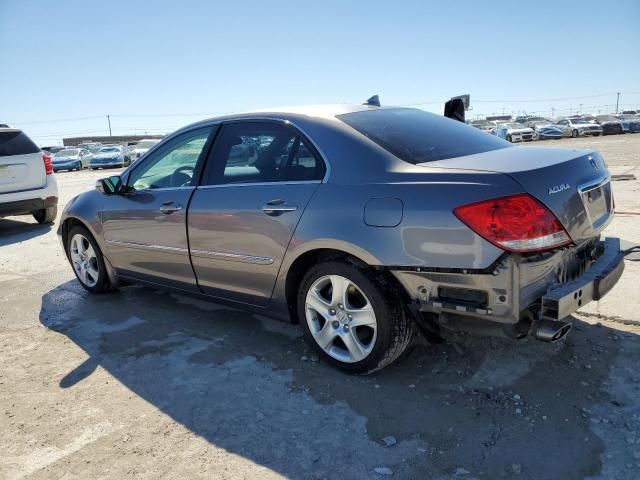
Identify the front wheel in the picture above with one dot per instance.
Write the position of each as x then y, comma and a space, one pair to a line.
574, 133
353, 317
509, 138
87, 261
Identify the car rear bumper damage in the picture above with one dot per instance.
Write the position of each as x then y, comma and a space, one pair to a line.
517, 291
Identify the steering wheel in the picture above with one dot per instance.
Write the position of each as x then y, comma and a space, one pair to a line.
182, 176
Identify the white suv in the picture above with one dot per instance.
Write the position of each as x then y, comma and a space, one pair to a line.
27, 183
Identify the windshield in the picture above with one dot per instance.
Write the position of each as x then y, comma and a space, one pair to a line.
416, 136
72, 152
628, 117
607, 118
109, 150
144, 144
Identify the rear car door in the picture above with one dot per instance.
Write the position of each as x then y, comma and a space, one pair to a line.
259, 180
21, 164
145, 227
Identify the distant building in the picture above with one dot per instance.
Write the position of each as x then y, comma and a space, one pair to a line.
73, 141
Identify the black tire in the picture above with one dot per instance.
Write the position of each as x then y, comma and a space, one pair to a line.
574, 133
394, 327
596, 134
102, 284
46, 215
509, 138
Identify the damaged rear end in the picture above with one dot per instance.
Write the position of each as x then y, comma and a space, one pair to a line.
553, 259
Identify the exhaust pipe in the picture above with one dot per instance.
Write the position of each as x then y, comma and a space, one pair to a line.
550, 330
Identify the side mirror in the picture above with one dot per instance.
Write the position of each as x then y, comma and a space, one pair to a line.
110, 185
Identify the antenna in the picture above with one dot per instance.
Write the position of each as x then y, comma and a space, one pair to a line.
373, 101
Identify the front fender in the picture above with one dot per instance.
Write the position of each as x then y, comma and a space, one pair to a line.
86, 209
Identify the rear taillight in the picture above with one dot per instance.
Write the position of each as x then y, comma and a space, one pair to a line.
48, 166
518, 223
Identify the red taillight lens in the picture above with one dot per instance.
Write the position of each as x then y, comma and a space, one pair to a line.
518, 223
48, 166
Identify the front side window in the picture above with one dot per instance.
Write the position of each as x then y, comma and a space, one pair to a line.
172, 166
258, 152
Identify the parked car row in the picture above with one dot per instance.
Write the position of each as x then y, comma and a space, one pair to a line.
96, 155
527, 128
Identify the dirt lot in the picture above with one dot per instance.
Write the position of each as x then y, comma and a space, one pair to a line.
146, 384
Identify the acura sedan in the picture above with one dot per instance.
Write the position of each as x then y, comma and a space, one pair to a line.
364, 224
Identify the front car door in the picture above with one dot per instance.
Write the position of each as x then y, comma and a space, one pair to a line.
241, 219
145, 227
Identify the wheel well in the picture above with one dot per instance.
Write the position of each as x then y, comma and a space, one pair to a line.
68, 224
304, 262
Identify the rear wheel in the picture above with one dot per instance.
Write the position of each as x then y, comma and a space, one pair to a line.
46, 215
87, 260
353, 317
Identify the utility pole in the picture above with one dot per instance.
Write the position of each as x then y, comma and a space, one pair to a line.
109, 120
617, 101
553, 113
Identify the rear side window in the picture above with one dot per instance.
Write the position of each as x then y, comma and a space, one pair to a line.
259, 152
416, 136
16, 143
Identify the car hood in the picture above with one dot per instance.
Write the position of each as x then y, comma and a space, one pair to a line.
520, 130
553, 176
64, 159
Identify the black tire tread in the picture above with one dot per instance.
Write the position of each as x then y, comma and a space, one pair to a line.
46, 215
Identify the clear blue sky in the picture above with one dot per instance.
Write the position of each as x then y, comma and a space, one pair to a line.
149, 64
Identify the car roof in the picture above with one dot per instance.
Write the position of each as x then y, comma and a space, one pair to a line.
325, 112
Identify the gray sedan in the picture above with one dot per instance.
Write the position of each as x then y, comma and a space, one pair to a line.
364, 224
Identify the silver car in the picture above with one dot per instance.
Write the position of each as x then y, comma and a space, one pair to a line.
364, 224
578, 127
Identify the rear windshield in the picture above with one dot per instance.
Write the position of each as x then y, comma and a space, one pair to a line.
416, 136
16, 143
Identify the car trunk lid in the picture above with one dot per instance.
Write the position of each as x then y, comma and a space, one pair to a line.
573, 184
21, 163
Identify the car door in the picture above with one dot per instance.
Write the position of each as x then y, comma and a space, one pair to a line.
258, 182
563, 127
145, 227
85, 157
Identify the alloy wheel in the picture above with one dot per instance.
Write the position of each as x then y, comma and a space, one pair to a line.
84, 260
341, 318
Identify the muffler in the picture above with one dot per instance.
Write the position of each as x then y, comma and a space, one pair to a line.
550, 330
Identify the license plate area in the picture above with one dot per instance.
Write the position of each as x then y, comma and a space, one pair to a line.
596, 199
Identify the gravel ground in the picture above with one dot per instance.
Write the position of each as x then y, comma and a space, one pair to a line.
147, 384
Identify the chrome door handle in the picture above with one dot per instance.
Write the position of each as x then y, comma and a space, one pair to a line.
167, 209
275, 210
